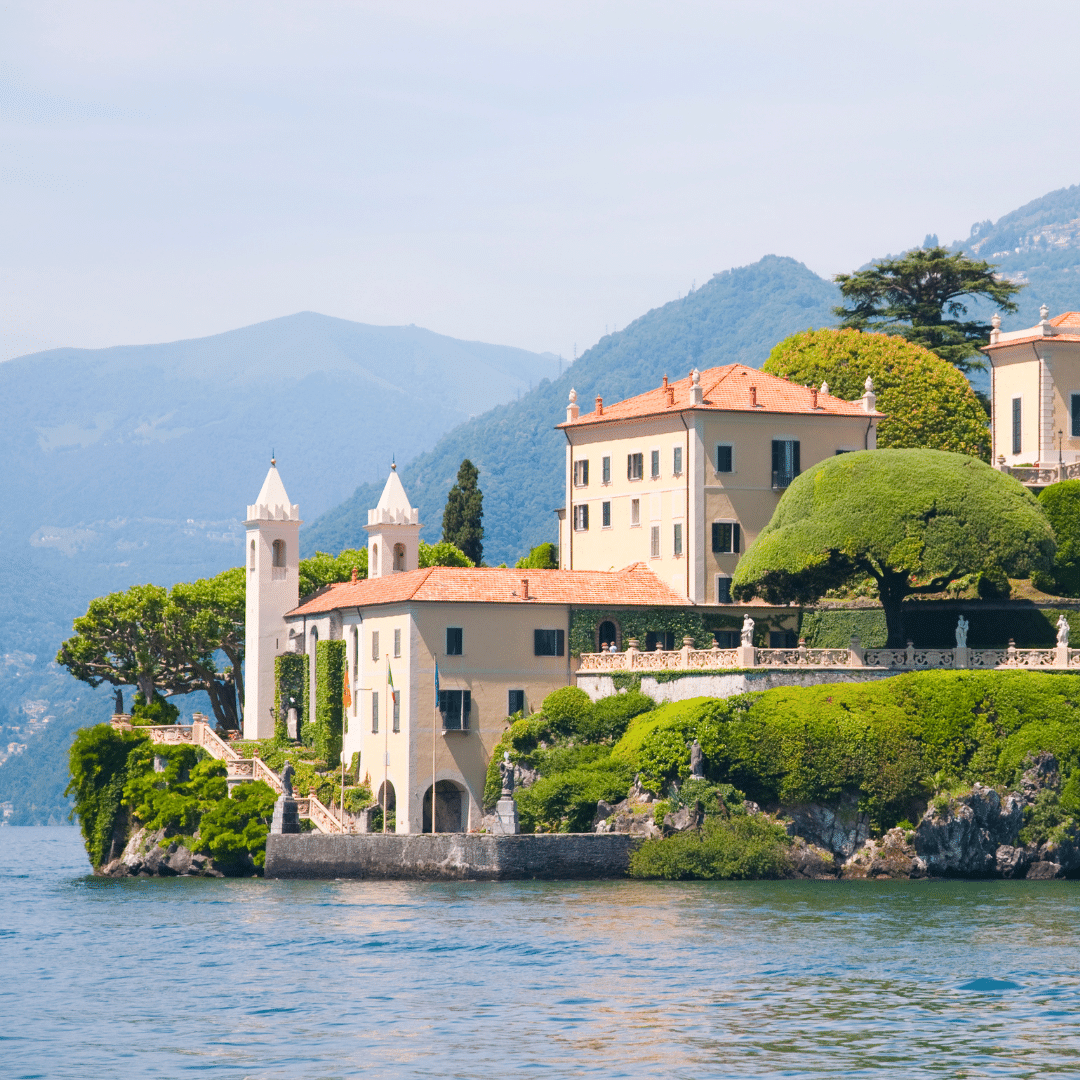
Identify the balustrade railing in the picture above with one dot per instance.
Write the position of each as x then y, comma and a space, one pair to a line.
747, 656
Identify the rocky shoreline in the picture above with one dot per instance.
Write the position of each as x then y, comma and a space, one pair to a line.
154, 854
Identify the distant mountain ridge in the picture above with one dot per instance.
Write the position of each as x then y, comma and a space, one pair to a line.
736, 316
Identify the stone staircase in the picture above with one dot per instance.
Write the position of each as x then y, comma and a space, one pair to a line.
239, 770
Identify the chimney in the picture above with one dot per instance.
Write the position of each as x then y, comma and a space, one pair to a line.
599, 406
354, 575
524, 588
572, 408
670, 390
753, 397
813, 397
664, 383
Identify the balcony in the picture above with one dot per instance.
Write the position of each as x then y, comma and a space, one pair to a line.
1040, 476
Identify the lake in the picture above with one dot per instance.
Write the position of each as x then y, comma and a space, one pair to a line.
267, 979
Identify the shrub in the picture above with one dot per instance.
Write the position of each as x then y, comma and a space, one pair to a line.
612, 715
743, 847
1062, 505
151, 713
233, 831
565, 800
568, 710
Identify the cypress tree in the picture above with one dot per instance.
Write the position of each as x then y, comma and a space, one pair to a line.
464, 512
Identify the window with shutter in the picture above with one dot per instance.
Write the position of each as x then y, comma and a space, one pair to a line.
1075, 415
374, 644
605, 470
1017, 442
581, 517
549, 642
654, 542
635, 511
726, 537
676, 540
515, 702
723, 458
605, 515
454, 641
785, 462
634, 466
654, 464
676, 461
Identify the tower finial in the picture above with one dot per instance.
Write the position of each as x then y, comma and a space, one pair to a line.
273, 459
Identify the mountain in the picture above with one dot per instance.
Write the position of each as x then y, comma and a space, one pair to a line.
135, 464
737, 316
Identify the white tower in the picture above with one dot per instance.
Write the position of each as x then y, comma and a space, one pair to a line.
272, 550
393, 531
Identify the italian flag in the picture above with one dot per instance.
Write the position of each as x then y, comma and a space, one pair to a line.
390, 681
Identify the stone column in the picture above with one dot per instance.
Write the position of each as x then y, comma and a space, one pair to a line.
856, 656
961, 657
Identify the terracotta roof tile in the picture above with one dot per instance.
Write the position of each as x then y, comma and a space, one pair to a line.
1067, 318
636, 585
1056, 338
727, 389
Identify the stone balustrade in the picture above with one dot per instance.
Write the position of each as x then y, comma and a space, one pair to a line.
748, 656
1041, 475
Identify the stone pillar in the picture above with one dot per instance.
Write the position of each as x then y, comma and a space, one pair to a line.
856, 656
961, 657
684, 652
286, 817
507, 817
631, 652
911, 654
1061, 656
747, 656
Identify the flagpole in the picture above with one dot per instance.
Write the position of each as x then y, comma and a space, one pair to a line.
434, 743
386, 756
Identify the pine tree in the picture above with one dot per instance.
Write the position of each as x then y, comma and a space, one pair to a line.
464, 512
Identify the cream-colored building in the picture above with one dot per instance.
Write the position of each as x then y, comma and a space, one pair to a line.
1035, 392
684, 477
500, 640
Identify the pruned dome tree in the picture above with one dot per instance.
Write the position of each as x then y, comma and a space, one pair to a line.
927, 402
464, 513
921, 295
1061, 503
913, 520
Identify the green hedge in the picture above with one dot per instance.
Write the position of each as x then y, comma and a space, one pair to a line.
289, 683
329, 705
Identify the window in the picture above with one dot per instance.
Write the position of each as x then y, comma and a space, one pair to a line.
373, 569
375, 713
607, 634
397, 643
783, 639
726, 537
1016, 441
654, 542
374, 644
727, 639
455, 706
676, 538
549, 642
396, 695
605, 470
581, 474
635, 511
355, 652
634, 465
723, 596
676, 461
453, 641
1075, 428
581, 517
605, 515
785, 462
665, 639
251, 556
654, 464
515, 702
399, 557
724, 458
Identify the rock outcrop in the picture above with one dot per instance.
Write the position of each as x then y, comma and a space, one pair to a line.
841, 830
153, 854
961, 838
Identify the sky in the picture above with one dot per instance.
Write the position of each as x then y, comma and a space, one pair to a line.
533, 174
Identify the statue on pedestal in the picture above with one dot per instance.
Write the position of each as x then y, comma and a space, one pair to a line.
747, 630
286, 779
697, 761
961, 632
1063, 630
506, 771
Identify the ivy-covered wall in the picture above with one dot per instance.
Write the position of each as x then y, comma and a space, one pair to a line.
635, 623
289, 684
329, 706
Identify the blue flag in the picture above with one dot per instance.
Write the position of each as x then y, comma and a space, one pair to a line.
436, 684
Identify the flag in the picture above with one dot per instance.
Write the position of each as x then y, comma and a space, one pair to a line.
346, 697
436, 684
390, 681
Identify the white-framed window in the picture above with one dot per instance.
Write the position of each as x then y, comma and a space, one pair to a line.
396, 695
374, 644
605, 515
654, 542
397, 643
581, 517
635, 463
581, 473
654, 464
635, 512
676, 461
676, 538
723, 589
725, 458
605, 469
549, 642
726, 538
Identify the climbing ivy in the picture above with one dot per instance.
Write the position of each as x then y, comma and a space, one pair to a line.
635, 623
329, 708
289, 684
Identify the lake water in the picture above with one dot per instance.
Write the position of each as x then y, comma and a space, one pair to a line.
617, 979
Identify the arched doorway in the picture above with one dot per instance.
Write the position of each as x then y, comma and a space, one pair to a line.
449, 806
399, 558
607, 633
386, 790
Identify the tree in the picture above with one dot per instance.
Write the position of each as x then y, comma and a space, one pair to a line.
928, 403
464, 512
920, 296
322, 569
166, 642
913, 520
443, 554
541, 557
1061, 502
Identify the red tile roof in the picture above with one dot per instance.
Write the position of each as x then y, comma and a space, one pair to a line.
1067, 318
634, 586
727, 389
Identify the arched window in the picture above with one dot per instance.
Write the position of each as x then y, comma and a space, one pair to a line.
449, 807
399, 557
279, 553
374, 570
251, 556
607, 634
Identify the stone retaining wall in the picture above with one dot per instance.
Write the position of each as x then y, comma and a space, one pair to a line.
725, 685
453, 856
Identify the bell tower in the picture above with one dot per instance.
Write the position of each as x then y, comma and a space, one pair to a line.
272, 559
393, 530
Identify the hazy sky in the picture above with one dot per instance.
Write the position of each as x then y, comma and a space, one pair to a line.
524, 173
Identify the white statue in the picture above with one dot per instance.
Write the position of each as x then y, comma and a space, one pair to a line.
747, 630
961, 632
1063, 629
